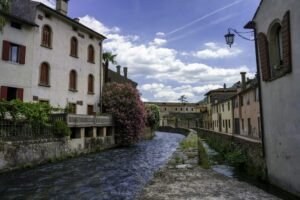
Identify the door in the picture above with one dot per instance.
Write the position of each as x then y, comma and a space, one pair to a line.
237, 126
220, 123
249, 127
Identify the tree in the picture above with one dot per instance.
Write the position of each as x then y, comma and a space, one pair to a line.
4, 8
108, 57
183, 99
153, 116
124, 103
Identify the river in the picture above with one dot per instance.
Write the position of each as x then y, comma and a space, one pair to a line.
114, 174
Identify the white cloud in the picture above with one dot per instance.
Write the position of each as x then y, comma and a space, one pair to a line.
162, 92
158, 42
160, 34
155, 63
214, 51
50, 3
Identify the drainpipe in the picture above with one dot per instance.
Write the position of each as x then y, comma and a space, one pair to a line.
260, 94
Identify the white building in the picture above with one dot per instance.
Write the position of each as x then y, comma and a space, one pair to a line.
47, 56
277, 26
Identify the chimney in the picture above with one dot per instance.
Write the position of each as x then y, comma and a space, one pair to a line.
125, 71
224, 86
243, 85
119, 69
77, 19
62, 6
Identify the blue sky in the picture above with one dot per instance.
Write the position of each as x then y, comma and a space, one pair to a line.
173, 47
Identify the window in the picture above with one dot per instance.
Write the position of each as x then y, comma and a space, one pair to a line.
242, 124
91, 84
13, 52
73, 81
90, 110
241, 100
44, 74
229, 123
47, 37
91, 54
192, 109
74, 47
10, 93
43, 101
72, 108
223, 107
165, 109
275, 48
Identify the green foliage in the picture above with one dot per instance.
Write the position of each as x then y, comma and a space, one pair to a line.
153, 116
109, 57
190, 142
61, 129
4, 8
236, 158
203, 157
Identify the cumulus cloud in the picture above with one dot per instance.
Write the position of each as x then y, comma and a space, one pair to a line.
50, 3
160, 34
214, 51
158, 42
163, 92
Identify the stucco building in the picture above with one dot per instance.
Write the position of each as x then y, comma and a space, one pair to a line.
49, 57
277, 28
246, 109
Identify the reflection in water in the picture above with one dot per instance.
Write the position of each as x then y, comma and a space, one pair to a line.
114, 174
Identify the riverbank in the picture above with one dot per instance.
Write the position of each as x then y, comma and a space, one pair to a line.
182, 178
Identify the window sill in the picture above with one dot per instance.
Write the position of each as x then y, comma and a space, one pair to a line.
91, 93
92, 62
44, 85
279, 75
73, 90
45, 46
74, 56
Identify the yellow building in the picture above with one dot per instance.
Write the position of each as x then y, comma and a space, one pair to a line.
222, 116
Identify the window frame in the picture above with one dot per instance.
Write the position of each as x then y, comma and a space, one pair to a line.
74, 47
91, 84
91, 54
47, 79
75, 81
47, 43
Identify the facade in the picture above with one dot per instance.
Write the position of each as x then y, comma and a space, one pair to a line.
222, 116
213, 98
246, 109
277, 28
49, 57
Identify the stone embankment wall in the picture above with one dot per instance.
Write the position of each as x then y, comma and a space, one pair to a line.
253, 149
17, 154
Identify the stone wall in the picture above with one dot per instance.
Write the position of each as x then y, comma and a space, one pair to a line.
255, 165
26, 153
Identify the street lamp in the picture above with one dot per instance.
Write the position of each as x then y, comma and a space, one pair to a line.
229, 37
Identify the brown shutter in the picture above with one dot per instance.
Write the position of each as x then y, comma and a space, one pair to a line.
264, 56
3, 93
22, 55
286, 43
20, 94
5, 50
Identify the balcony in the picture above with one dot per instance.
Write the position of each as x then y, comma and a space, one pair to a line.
83, 121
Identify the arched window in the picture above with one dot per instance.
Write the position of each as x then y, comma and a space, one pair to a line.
91, 54
73, 80
44, 74
91, 84
275, 47
47, 36
74, 47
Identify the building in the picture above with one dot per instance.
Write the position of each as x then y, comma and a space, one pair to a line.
116, 77
186, 113
277, 28
213, 98
246, 109
49, 57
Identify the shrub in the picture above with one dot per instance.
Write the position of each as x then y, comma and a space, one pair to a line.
236, 158
124, 103
153, 116
61, 129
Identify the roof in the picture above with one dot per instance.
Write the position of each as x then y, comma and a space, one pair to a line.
221, 90
250, 85
118, 78
25, 11
257, 10
18, 19
175, 103
222, 97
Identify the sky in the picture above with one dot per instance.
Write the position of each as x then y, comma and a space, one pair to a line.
173, 47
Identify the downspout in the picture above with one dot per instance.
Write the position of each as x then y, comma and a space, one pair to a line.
101, 77
259, 94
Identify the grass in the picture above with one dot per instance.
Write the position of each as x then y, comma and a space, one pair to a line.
190, 142
203, 157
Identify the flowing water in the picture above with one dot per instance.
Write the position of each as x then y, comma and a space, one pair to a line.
114, 174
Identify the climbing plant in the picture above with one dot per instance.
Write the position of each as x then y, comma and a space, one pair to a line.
124, 103
4, 8
153, 116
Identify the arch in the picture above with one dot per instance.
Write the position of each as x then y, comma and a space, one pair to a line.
275, 46
44, 79
73, 80
91, 84
47, 36
91, 54
74, 47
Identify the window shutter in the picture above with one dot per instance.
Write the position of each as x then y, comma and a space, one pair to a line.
20, 94
286, 43
3, 93
264, 56
5, 50
22, 55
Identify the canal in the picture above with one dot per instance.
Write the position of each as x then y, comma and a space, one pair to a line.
115, 174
